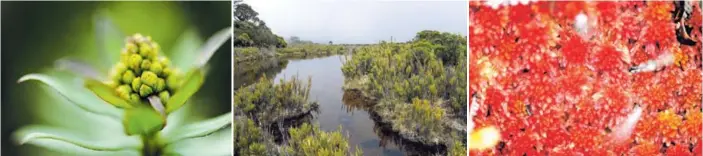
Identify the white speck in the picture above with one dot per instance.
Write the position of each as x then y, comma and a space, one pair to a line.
624, 130
494, 3
513, 2
652, 65
524, 2
581, 23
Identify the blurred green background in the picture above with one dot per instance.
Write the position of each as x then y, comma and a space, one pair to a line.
35, 34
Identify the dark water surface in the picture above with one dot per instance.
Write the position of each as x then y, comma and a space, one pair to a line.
327, 82
337, 107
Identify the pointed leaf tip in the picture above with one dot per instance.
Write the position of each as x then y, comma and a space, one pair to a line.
212, 44
191, 85
199, 129
106, 93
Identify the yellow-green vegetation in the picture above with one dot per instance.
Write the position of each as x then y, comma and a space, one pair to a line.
243, 54
420, 86
249, 139
299, 50
458, 149
247, 53
269, 103
417, 69
264, 104
310, 140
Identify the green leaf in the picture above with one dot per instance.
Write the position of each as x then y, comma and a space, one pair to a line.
78, 67
143, 120
194, 79
218, 143
185, 49
212, 44
108, 37
198, 129
71, 88
106, 93
70, 142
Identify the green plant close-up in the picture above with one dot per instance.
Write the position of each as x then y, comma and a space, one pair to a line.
132, 94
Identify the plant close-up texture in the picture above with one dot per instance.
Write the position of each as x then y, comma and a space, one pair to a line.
134, 99
585, 78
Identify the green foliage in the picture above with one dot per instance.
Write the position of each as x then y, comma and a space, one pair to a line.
281, 42
244, 12
420, 86
249, 30
310, 50
243, 40
310, 140
265, 103
429, 116
248, 138
452, 47
458, 149
247, 53
417, 69
269, 103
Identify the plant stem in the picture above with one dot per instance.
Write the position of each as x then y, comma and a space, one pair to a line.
151, 145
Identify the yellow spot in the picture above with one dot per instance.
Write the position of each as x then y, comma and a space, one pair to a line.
487, 71
484, 138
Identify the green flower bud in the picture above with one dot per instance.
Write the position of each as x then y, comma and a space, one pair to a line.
131, 48
156, 67
116, 72
146, 64
145, 50
149, 78
141, 72
160, 85
164, 96
134, 61
124, 56
136, 83
123, 91
128, 76
173, 82
134, 97
138, 37
145, 90
164, 61
120, 68
155, 47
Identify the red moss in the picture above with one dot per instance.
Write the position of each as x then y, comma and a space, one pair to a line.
565, 94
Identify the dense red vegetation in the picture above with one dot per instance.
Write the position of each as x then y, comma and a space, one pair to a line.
552, 89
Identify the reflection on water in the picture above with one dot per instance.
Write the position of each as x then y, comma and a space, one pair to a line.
248, 72
353, 100
337, 107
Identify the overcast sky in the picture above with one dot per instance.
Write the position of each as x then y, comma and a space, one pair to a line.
359, 21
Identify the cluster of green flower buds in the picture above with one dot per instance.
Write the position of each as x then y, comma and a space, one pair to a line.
142, 73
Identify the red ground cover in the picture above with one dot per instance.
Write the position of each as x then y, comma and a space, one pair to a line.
551, 88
